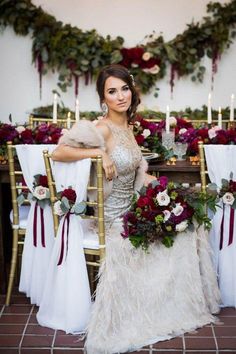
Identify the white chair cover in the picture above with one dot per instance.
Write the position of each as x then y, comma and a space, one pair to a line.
221, 161
35, 259
66, 300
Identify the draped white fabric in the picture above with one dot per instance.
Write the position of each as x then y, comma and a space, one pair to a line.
35, 259
221, 161
66, 299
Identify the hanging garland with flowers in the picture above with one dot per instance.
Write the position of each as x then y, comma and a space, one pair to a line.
74, 53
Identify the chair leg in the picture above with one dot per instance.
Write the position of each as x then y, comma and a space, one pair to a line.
13, 266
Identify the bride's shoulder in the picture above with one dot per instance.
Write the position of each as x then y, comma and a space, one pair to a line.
103, 127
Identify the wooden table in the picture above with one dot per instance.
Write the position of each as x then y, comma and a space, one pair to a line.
182, 172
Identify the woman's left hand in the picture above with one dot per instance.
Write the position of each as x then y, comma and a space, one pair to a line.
149, 179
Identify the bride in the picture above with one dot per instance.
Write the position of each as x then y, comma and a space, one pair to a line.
141, 298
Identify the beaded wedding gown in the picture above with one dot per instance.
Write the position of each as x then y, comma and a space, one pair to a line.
145, 297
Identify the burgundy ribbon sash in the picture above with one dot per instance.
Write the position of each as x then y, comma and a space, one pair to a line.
231, 227
65, 221
35, 223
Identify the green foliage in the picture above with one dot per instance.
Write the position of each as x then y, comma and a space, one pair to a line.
74, 53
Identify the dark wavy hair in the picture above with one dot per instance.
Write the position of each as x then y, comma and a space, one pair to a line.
122, 73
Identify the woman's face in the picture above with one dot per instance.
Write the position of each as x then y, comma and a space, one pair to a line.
117, 95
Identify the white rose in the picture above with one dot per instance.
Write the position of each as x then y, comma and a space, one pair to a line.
182, 131
146, 133
167, 214
182, 226
173, 120
178, 209
40, 192
228, 198
137, 124
20, 129
213, 132
154, 70
163, 198
57, 208
146, 56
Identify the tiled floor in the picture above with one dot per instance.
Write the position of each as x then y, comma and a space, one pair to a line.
20, 334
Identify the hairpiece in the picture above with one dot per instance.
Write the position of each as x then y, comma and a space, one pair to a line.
132, 79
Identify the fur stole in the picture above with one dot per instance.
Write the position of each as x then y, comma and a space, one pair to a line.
85, 134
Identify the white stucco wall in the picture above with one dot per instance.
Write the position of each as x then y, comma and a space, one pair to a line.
19, 85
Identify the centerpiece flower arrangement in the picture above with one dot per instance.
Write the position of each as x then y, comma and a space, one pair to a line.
164, 209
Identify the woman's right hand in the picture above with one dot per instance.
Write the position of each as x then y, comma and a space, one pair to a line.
109, 167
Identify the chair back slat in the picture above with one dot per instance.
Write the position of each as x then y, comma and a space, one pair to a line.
35, 121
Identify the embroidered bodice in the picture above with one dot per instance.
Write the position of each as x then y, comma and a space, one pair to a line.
126, 155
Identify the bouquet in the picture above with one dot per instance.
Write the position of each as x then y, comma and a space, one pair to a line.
66, 203
164, 209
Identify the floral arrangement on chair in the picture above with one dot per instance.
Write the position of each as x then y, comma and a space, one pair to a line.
64, 207
227, 193
41, 197
164, 209
66, 203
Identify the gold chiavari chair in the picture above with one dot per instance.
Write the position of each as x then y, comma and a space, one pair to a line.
203, 168
95, 251
61, 122
18, 215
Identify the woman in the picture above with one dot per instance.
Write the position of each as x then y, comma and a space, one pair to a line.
141, 298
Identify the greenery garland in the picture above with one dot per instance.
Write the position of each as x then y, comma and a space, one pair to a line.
74, 53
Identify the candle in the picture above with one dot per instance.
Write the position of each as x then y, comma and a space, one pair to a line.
77, 109
167, 119
231, 116
209, 117
54, 115
68, 122
220, 118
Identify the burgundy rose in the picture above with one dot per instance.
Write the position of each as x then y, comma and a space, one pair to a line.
27, 137
43, 181
232, 186
142, 201
70, 194
140, 139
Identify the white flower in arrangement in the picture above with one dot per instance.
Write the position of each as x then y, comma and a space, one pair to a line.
146, 133
182, 131
213, 132
137, 124
134, 65
228, 198
173, 121
154, 70
178, 209
146, 56
57, 208
167, 214
41, 192
20, 129
182, 226
163, 198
